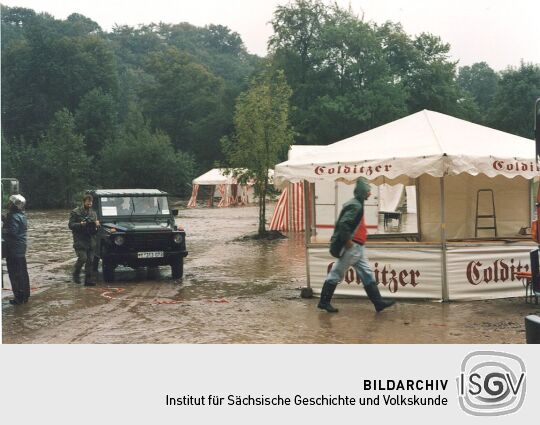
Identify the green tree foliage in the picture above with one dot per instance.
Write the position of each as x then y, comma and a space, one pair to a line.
216, 47
48, 69
145, 159
185, 101
512, 109
262, 132
346, 76
66, 167
14, 22
335, 64
96, 120
55, 170
480, 81
431, 77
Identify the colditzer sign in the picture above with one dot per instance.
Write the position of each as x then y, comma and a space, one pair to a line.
491, 383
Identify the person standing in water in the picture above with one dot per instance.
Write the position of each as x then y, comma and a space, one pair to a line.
348, 246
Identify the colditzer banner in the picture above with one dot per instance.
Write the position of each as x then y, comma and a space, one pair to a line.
491, 383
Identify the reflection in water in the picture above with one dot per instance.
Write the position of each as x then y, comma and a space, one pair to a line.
232, 292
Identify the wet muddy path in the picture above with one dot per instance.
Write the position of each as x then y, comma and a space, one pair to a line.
232, 292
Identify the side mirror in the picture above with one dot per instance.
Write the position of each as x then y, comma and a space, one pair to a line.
174, 212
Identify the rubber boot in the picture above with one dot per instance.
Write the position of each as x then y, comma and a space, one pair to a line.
77, 275
89, 279
327, 293
378, 301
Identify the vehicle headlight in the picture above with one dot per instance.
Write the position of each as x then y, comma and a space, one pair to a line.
177, 238
119, 240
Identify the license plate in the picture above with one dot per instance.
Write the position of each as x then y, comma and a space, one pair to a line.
151, 254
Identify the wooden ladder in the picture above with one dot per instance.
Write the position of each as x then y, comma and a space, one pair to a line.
485, 216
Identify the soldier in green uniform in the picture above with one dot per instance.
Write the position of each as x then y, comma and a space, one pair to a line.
84, 224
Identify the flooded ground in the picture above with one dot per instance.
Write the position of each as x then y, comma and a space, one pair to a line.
232, 292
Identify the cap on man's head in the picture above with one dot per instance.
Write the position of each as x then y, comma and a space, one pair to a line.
18, 201
87, 196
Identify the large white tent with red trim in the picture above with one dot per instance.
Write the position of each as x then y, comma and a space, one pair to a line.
449, 161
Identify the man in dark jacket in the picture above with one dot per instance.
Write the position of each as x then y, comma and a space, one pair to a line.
347, 244
14, 234
84, 224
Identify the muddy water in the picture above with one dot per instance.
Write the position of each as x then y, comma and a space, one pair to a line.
232, 292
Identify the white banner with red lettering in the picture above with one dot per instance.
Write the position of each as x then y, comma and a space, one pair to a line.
480, 272
343, 169
472, 273
402, 272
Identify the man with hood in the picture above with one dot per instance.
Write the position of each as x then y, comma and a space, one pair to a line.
14, 234
84, 225
347, 244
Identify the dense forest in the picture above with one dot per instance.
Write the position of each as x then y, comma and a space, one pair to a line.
147, 106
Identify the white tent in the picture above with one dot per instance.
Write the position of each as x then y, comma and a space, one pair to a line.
230, 191
449, 160
215, 177
423, 143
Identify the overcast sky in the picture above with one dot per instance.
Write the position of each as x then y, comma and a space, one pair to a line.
499, 32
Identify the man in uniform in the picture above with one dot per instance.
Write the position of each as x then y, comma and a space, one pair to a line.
14, 234
347, 244
84, 224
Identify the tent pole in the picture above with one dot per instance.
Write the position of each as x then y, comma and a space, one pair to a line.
211, 197
445, 295
307, 226
290, 211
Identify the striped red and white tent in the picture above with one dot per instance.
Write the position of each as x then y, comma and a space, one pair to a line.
289, 212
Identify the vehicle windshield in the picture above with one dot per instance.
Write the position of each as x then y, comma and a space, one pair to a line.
134, 205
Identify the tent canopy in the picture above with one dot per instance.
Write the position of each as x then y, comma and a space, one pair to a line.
426, 142
215, 176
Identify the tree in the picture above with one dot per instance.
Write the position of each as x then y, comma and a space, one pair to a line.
95, 120
336, 66
57, 169
295, 48
481, 81
430, 79
14, 22
79, 25
360, 93
262, 132
66, 164
46, 71
512, 109
186, 101
145, 159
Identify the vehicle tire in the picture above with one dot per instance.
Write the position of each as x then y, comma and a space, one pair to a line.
177, 268
108, 271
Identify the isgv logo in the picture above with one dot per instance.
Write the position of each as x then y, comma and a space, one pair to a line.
491, 383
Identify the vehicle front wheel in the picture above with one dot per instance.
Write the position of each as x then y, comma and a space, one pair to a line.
177, 268
108, 271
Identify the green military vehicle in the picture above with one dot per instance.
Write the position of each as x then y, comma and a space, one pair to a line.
137, 229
